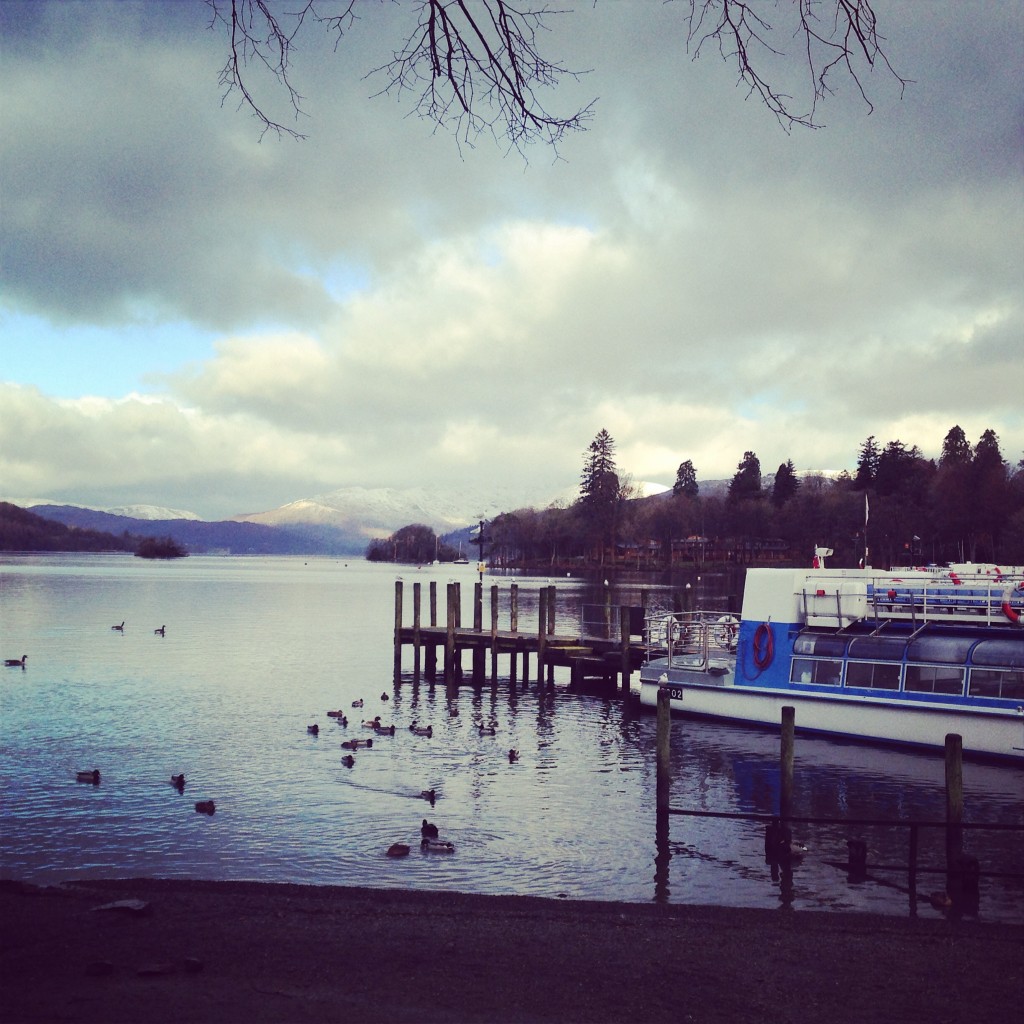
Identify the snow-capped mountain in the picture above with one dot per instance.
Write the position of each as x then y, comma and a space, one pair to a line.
149, 513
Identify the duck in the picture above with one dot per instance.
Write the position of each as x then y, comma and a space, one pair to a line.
92, 777
399, 850
436, 845
513, 756
941, 900
206, 807
348, 760
357, 703
355, 744
384, 730
120, 628
384, 696
428, 830
372, 724
488, 730
313, 729
426, 730
429, 794
16, 662
161, 631
178, 782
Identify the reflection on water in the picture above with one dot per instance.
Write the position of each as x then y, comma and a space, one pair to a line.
256, 650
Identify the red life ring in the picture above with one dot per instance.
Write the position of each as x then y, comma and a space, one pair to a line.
764, 646
1009, 611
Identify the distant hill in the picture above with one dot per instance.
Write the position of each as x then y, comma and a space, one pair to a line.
21, 530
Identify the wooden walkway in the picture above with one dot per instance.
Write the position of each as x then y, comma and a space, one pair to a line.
607, 658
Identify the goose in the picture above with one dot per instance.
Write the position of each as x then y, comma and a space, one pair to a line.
178, 782
161, 631
436, 845
357, 703
348, 760
428, 830
313, 729
399, 850
120, 628
206, 807
91, 777
16, 662
513, 756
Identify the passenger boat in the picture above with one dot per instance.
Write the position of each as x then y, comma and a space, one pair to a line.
903, 656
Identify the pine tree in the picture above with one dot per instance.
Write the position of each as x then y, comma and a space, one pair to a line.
686, 480
786, 484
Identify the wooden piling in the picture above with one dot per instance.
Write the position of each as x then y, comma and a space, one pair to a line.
479, 653
430, 668
786, 763
542, 633
416, 635
398, 631
954, 799
494, 632
664, 733
624, 637
449, 641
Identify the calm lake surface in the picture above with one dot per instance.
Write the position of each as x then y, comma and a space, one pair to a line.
257, 649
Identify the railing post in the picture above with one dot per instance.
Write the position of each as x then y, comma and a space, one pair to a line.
663, 750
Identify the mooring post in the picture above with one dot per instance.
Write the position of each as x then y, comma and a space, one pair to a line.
479, 652
664, 734
513, 625
449, 638
494, 631
542, 629
430, 668
624, 640
416, 637
954, 800
398, 630
786, 766
552, 603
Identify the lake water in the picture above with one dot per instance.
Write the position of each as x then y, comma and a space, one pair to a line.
257, 649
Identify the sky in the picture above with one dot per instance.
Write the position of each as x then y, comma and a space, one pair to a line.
197, 317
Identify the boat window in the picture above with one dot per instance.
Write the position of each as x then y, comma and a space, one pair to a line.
878, 648
1006, 653
951, 650
934, 679
824, 673
827, 644
992, 682
873, 676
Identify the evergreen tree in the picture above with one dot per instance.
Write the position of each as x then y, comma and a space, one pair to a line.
686, 480
599, 490
956, 451
867, 464
786, 484
746, 484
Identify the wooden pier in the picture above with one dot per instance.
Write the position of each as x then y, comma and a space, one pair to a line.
611, 658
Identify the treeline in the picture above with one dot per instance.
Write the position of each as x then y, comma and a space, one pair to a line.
414, 544
898, 508
21, 530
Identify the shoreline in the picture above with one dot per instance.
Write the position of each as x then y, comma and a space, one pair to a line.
252, 951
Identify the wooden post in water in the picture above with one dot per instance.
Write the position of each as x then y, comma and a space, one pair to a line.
954, 800
398, 631
664, 734
513, 612
416, 638
552, 602
449, 640
542, 631
786, 765
624, 637
494, 632
479, 652
430, 669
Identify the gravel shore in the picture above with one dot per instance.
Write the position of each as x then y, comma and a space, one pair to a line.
181, 951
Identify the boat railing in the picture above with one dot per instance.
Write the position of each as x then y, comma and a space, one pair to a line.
697, 638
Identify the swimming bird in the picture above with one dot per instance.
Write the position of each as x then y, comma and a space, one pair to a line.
161, 631
348, 760
314, 729
513, 756
16, 662
178, 782
384, 730
436, 845
399, 850
372, 724
429, 794
92, 777
206, 807
120, 628
421, 731
428, 830
384, 696
357, 703
488, 730
355, 744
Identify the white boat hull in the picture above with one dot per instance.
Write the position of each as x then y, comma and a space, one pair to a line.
985, 732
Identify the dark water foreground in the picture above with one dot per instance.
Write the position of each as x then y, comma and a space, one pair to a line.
195, 951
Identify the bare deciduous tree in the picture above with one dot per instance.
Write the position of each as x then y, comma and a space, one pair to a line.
476, 66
